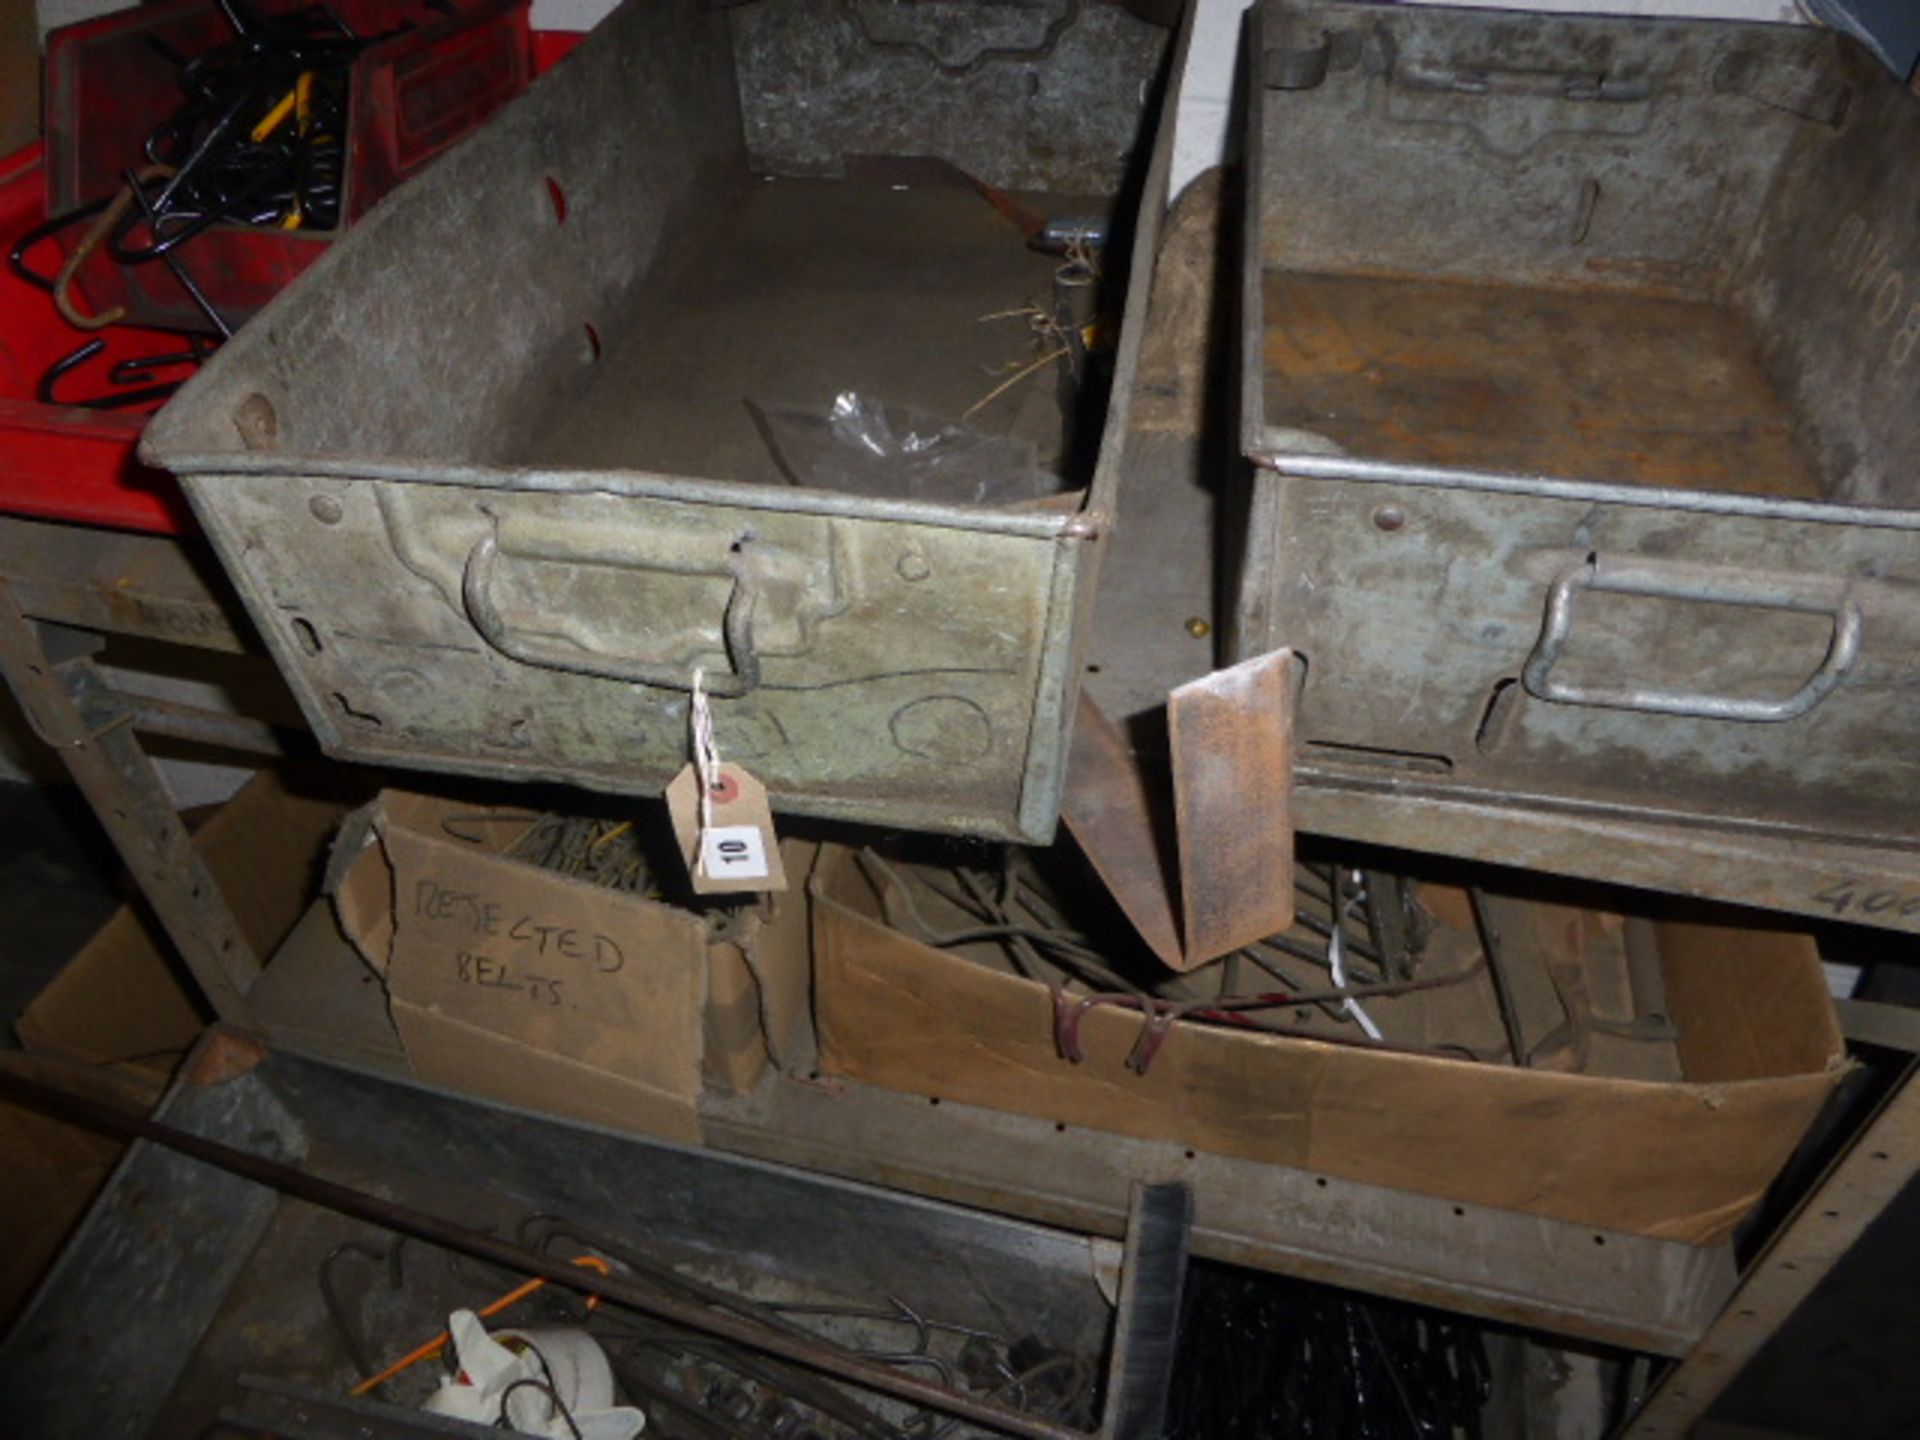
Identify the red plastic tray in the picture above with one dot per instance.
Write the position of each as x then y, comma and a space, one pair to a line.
63, 462
108, 83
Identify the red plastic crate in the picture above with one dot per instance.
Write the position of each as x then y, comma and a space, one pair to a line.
108, 83
63, 462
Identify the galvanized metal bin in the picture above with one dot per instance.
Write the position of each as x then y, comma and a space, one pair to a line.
490, 484
183, 1279
1579, 376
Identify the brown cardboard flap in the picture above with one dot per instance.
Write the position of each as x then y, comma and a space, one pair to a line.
265, 848
475, 1060
747, 1030
363, 895
1677, 1161
1750, 1003
120, 997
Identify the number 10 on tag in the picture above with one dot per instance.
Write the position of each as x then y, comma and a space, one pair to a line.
737, 850
733, 852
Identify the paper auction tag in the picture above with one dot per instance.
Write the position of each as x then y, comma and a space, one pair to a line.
735, 850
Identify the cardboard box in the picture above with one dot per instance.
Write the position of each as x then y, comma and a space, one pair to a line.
1758, 1044
525, 986
123, 996
123, 1003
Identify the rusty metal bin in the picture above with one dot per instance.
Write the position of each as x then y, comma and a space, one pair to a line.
490, 482
1579, 389
189, 1293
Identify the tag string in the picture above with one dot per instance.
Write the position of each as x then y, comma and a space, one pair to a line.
706, 754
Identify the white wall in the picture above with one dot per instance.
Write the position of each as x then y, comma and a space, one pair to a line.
570, 14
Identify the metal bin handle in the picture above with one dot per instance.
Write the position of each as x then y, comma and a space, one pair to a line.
476, 583
1674, 581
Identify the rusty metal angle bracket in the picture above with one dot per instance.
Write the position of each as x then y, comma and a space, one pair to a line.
126, 793
1882, 1160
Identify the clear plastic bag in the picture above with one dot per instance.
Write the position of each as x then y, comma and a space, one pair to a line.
869, 447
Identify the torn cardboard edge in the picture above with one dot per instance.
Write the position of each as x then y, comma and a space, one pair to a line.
1213, 872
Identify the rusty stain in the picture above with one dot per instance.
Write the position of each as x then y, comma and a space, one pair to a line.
225, 1057
1585, 384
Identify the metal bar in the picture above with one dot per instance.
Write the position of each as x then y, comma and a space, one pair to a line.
276, 1408
438, 1230
202, 727
126, 793
103, 708
1146, 1331
122, 584
1868, 881
1875, 1022
643, 484
1448, 477
1633, 1291
1883, 1158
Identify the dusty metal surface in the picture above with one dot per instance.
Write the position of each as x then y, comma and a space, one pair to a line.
1833, 284
1613, 1288
1875, 882
1535, 150
699, 1315
1882, 1159
169, 1236
1434, 649
1062, 81
798, 298
1636, 389
1573, 357
272, 1407
444, 594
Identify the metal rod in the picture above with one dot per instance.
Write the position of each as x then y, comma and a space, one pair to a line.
1490, 946
200, 726
168, 258
438, 1230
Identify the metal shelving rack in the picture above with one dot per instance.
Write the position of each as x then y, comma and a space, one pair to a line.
63, 589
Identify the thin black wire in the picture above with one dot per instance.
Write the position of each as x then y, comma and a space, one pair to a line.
552, 1392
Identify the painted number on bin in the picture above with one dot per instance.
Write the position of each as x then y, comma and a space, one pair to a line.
1847, 896
1865, 256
